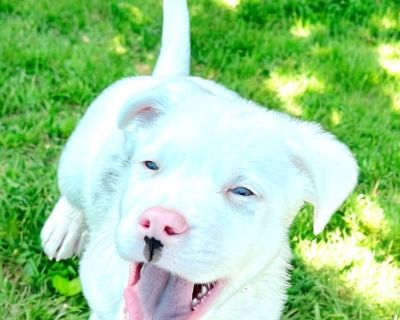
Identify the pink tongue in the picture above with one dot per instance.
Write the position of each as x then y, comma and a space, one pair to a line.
163, 296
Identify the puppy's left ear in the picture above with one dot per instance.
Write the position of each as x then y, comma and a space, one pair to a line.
329, 167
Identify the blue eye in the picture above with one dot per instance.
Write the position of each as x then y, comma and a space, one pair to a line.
151, 165
242, 191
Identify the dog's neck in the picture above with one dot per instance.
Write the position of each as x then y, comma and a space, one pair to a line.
265, 286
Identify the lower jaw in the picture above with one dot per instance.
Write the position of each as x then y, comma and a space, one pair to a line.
192, 306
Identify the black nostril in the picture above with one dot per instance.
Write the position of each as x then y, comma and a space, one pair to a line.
152, 246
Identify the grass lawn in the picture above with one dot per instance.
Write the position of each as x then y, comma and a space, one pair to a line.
336, 62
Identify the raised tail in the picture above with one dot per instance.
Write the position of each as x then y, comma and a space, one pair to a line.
174, 58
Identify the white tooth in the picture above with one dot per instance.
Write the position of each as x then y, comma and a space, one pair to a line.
195, 302
204, 290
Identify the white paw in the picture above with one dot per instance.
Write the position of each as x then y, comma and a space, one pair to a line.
63, 234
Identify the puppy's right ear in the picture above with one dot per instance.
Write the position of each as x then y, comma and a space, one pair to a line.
139, 112
145, 108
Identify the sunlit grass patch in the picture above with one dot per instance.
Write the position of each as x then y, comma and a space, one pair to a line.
353, 255
336, 117
300, 30
396, 102
392, 90
370, 215
118, 45
388, 21
232, 4
378, 281
389, 58
289, 88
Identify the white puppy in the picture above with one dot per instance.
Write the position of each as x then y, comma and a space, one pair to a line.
186, 192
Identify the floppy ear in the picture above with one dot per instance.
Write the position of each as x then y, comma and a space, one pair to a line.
145, 107
329, 167
141, 111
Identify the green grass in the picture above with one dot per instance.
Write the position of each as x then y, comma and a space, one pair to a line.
336, 62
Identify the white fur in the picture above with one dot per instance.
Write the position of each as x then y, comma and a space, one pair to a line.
175, 45
64, 232
206, 141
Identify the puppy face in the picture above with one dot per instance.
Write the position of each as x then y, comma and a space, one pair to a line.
216, 168
230, 176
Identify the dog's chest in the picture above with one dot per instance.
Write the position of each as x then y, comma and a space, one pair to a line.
104, 276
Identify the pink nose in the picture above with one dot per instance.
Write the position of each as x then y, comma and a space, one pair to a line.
162, 224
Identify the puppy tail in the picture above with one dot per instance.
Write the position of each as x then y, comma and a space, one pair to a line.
174, 58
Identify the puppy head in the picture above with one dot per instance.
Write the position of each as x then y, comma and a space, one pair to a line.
234, 172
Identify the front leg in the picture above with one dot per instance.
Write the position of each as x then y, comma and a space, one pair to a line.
64, 232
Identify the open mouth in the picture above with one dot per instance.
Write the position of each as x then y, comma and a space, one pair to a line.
156, 294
